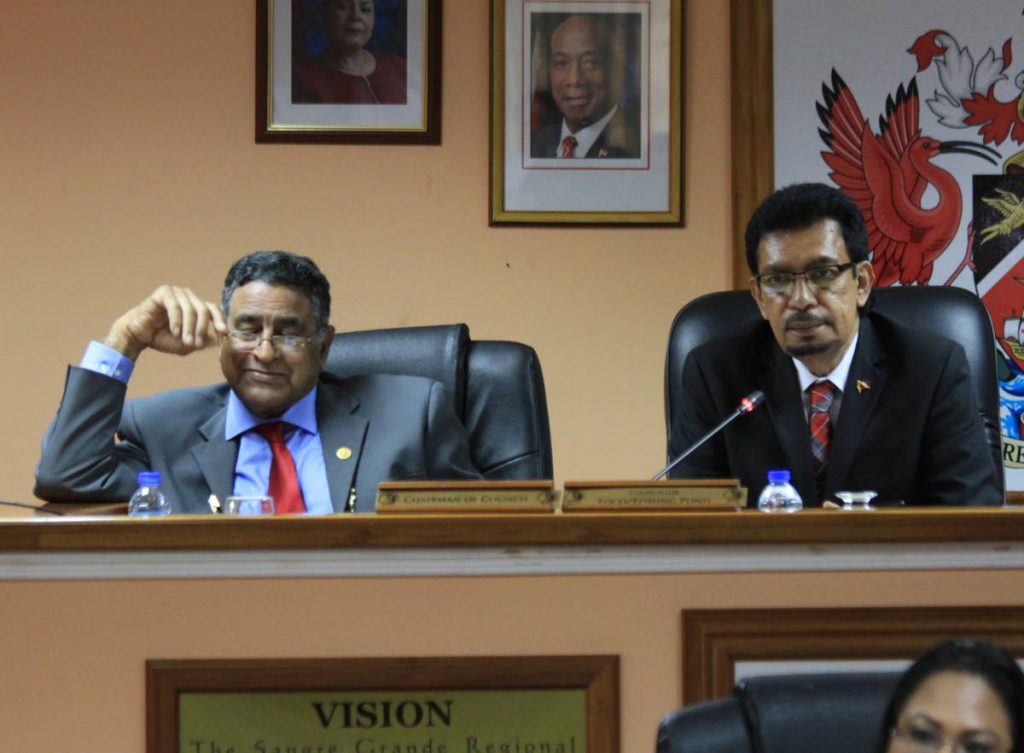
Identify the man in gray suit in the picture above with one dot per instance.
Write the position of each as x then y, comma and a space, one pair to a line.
343, 436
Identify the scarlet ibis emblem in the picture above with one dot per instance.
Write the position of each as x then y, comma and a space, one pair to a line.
887, 173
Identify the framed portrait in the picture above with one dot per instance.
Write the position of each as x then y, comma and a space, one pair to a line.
348, 71
586, 112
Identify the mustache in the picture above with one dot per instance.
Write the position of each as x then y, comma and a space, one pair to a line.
805, 319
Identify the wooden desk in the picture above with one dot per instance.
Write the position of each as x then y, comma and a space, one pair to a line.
901, 525
87, 601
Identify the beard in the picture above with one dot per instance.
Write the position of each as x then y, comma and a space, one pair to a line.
810, 349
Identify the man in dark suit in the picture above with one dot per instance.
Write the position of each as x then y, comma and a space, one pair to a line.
854, 401
340, 436
583, 87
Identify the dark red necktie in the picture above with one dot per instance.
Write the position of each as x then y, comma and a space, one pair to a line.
822, 394
284, 481
569, 146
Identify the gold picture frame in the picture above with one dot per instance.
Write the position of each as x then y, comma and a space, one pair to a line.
216, 702
300, 98
629, 169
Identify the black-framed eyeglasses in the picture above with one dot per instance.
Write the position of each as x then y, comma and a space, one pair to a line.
920, 739
817, 279
244, 341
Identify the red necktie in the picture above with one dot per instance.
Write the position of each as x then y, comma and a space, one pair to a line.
822, 394
569, 146
284, 481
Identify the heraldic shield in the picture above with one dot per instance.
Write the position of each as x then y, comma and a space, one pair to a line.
999, 276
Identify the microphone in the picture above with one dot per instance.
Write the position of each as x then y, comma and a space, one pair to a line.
747, 405
24, 506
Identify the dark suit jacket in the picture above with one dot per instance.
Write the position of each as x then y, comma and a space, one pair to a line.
397, 427
911, 433
620, 139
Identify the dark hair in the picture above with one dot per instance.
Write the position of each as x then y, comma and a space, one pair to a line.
977, 658
801, 205
299, 273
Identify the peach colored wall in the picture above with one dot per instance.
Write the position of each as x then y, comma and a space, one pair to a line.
127, 159
73, 668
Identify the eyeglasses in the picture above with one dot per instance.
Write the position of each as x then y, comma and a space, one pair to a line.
926, 740
817, 279
244, 341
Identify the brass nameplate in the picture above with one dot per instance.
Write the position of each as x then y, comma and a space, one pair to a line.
697, 494
557, 704
466, 496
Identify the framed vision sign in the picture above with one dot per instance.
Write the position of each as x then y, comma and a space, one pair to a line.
560, 704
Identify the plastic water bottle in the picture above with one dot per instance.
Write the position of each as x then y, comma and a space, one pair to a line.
148, 500
779, 495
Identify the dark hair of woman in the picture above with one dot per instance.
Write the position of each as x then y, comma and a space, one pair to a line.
986, 661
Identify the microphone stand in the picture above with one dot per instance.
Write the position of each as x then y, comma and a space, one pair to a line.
747, 404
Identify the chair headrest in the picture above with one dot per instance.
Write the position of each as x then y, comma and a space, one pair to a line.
437, 352
840, 713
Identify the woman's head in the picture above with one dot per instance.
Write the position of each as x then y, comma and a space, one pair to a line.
349, 23
966, 692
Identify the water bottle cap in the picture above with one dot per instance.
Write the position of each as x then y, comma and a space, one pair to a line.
149, 478
778, 477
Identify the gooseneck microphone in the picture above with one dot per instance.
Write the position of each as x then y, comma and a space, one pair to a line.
25, 506
747, 405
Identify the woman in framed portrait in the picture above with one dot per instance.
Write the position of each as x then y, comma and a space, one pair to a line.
346, 71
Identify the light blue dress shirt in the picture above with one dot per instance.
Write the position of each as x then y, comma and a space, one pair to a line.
252, 466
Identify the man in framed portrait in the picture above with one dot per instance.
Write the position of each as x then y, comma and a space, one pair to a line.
585, 75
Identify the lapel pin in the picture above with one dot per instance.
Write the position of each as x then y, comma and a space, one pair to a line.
862, 385
344, 453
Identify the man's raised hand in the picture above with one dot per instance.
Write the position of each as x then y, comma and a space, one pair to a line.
172, 320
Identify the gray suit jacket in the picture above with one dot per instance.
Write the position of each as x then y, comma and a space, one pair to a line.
397, 428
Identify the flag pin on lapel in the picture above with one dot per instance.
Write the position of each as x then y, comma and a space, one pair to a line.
862, 385
344, 453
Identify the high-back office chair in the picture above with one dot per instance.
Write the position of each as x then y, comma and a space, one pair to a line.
953, 313
838, 713
497, 388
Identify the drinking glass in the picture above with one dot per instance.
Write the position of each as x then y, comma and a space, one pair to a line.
857, 500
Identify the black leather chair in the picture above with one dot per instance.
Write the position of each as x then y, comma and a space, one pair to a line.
497, 388
838, 713
951, 312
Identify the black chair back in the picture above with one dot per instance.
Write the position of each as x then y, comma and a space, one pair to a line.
497, 389
839, 713
954, 313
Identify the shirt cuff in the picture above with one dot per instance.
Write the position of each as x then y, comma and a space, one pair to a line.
107, 361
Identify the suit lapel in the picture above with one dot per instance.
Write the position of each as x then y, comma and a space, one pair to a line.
863, 386
785, 406
216, 456
342, 435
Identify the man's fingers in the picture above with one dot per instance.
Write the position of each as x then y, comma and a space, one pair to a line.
197, 323
167, 299
216, 324
220, 324
175, 320
187, 315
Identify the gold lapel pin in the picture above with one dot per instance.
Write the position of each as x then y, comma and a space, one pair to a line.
862, 385
344, 453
